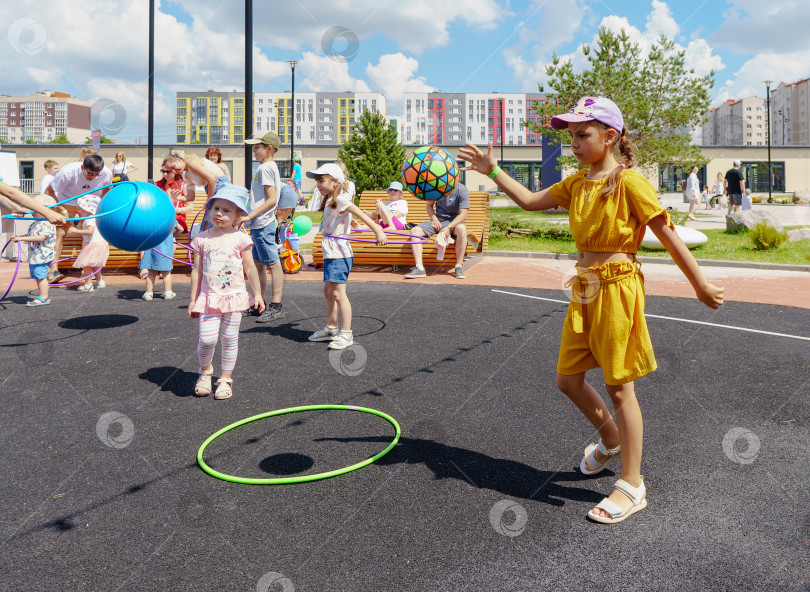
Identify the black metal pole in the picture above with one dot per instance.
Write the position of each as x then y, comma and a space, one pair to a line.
292, 127
248, 90
501, 163
770, 173
150, 131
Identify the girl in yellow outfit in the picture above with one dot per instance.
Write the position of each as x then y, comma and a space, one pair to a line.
610, 206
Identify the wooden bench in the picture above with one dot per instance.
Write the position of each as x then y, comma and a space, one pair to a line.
120, 260
477, 224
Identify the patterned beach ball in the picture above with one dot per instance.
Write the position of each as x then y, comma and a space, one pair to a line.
430, 172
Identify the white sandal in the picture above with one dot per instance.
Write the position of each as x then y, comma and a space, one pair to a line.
224, 388
589, 465
203, 386
637, 495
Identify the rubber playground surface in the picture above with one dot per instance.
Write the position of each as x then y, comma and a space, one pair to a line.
101, 489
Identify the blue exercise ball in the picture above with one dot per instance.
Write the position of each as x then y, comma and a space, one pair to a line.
142, 216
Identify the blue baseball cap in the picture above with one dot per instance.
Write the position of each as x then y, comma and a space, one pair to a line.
396, 185
235, 194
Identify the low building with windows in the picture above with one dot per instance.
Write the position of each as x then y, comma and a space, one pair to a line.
42, 117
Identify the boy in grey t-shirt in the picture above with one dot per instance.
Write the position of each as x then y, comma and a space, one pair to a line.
447, 216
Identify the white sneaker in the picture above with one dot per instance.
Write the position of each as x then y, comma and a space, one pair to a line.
169, 295
100, 284
325, 334
85, 288
342, 341
147, 296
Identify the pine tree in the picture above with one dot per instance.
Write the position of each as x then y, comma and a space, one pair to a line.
660, 99
372, 155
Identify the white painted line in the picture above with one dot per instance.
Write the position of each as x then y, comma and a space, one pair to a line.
651, 316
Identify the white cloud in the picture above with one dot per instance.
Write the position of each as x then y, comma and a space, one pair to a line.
393, 76
547, 26
752, 26
322, 73
699, 54
748, 80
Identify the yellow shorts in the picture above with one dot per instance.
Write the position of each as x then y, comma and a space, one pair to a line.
605, 326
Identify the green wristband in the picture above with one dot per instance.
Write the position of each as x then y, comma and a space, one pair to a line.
494, 172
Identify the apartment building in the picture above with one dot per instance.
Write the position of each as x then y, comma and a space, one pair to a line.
452, 119
790, 113
43, 117
740, 122
319, 118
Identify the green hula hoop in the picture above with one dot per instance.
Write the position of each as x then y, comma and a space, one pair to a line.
302, 478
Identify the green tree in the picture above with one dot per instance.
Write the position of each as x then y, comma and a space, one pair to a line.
372, 155
661, 100
104, 140
60, 139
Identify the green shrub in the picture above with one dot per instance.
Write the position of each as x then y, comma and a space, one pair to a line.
551, 231
764, 237
678, 218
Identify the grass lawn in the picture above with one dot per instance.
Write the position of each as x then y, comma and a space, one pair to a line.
721, 244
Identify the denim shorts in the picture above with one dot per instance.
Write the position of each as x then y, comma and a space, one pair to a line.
336, 271
38, 270
265, 249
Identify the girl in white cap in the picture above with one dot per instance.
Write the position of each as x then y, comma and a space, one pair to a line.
338, 208
610, 205
95, 250
222, 258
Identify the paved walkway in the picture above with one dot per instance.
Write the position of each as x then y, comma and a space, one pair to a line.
786, 288
765, 286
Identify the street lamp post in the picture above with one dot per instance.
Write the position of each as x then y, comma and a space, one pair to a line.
292, 64
768, 84
781, 114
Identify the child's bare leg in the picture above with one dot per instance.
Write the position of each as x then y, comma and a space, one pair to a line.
593, 407
151, 276
88, 273
43, 287
384, 214
344, 307
167, 281
331, 304
631, 435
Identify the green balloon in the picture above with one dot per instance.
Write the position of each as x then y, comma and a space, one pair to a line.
302, 225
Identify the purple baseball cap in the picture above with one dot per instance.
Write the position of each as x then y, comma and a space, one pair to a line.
599, 109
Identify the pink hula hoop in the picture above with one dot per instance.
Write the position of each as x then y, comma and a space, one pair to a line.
420, 239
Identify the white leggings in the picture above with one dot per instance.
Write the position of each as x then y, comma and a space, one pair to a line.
212, 326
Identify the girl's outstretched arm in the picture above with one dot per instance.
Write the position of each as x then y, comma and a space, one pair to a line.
253, 278
708, 294
486, 163
378, 231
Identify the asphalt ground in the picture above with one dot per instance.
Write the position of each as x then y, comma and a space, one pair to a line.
101, 490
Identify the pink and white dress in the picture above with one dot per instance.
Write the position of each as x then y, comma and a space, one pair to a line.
95, 250
222, 289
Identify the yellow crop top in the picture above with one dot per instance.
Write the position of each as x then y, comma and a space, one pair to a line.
615, 223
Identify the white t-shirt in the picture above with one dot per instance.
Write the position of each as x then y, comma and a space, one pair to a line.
718, 188
121, 168
46, 180
693, 186
337, 221
210, 167
266, 174
70, 182
399, 205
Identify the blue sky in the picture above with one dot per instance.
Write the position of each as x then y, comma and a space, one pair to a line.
97, 50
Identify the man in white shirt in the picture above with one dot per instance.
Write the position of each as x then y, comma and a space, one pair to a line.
71, 181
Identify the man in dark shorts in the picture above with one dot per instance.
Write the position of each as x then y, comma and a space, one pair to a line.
447, 216
735, 187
